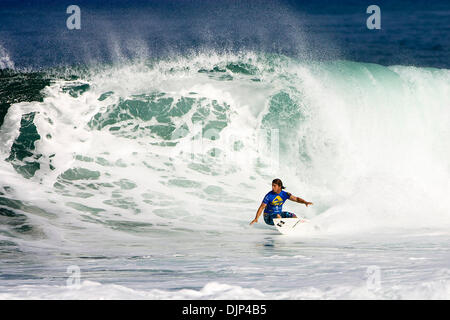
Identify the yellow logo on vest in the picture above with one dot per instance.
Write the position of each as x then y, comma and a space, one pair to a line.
277, 201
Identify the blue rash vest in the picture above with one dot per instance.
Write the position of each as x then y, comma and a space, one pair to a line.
274, 201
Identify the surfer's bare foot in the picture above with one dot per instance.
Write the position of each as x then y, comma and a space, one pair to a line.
278, 216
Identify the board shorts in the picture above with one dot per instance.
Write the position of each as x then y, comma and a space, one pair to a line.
268, 217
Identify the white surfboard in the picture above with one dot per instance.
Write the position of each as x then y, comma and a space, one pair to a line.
288, 225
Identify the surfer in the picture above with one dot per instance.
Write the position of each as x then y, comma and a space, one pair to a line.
273, 203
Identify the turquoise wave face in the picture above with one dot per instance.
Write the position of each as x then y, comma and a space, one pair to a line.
159, 144
132, 115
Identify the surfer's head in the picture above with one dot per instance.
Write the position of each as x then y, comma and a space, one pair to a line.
277, 185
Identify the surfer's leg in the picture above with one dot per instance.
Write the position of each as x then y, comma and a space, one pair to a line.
268, 219
286, 214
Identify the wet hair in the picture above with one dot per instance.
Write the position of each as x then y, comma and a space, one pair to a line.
278, 182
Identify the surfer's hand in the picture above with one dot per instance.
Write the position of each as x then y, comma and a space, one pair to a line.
254, 220
308, 203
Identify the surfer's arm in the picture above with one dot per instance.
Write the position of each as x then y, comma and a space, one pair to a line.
258, 213
299, 200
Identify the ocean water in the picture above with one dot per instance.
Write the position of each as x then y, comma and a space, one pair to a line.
134, 153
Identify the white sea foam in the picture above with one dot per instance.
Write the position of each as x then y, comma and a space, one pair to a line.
213, 290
